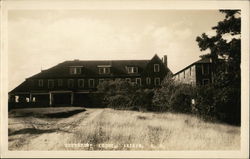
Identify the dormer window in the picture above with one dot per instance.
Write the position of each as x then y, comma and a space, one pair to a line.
75, 70
132, 69
104, 69
156, 68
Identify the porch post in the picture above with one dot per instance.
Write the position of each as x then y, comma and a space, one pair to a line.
72, 99
50, 99
30, 97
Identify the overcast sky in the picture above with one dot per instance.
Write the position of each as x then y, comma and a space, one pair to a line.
43, 38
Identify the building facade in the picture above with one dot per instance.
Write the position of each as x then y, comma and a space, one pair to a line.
72, 82
198, 73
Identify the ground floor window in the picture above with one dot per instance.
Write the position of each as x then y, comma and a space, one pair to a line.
70, 83
157, 81
60, 82
40, 83
101, 81
50, 83
91, 83
80, 83
148, 80
128, 79
205, 81
138, 81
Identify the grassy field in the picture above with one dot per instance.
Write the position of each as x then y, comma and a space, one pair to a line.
108, 129
125, 130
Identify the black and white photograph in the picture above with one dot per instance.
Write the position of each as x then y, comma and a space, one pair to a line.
104, 79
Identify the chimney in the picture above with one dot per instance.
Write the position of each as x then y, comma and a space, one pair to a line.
165, 60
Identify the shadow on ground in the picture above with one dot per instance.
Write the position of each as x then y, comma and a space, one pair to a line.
31, 131
61, 114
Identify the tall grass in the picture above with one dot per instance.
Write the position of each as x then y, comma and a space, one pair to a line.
130, 130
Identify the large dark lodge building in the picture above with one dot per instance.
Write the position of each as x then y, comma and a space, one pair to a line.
71, 82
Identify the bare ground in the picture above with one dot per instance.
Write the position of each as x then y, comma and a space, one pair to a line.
107, 129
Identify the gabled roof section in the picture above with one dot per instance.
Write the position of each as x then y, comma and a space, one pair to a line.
90, 68
23, 87
203, 60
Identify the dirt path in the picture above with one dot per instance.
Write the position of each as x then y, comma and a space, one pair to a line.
47, 134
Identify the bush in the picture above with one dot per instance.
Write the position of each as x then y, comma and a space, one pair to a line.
180, 100
120, 94
222, 104
173, 97
119, 101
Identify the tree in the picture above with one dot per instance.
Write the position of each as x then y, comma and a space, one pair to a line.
225, 50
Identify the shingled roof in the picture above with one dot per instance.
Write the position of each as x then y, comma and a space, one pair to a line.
90, 68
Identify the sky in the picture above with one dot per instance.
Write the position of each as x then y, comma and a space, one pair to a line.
40, 39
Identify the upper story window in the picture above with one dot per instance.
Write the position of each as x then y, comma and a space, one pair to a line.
205, 69
50, 83
184, 74
60, 82
40, 83
80, 83
70, 83
156, 68
133, 69
75, 70
104, 69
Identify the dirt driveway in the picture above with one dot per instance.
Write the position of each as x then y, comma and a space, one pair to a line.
32, 133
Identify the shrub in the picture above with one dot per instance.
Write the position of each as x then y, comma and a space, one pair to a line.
173, 97
222, 104
125, 95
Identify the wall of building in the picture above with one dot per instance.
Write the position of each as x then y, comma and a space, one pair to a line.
203, 72
187, 76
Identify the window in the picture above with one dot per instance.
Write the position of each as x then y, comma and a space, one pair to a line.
148, 80
101, 81
91, 83
80, 83
132, 69
40, 83
205, 69
50, 83
190, 71
184, 74
104, 70
205, 81
70, 83
75, 70
178, 76
202, 69
60, 82
157, 81
138, 81
128, 79
156, 68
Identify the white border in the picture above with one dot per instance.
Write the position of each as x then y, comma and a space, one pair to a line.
120, 5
